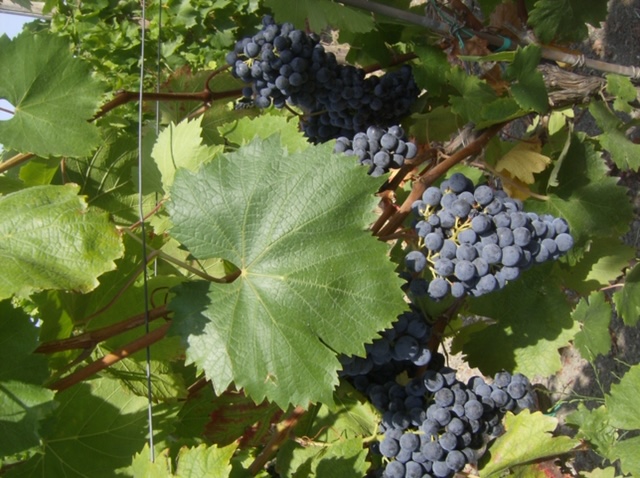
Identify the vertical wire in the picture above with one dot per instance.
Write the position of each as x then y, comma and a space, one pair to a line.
143, 21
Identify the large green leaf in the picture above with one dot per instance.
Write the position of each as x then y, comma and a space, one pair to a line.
528, 438
50, 239
529, 90
313, 281
54, 96
594, 427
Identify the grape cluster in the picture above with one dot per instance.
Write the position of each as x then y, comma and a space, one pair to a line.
285, 65
432, 423
442, 438
475, 239
379, 149
399, 347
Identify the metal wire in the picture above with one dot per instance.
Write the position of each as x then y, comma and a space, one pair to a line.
143, 24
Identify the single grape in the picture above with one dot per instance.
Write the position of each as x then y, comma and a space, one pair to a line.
415, 261
455, 460
438, 288
564, 242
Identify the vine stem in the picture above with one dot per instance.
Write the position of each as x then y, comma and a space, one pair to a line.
111, 358
93, 337
282, 433
426, 179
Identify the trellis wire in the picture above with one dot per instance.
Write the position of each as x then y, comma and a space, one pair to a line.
145, 275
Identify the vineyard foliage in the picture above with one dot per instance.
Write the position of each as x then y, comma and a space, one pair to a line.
264, 263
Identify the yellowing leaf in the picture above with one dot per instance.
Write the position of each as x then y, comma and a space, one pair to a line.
523, 161
518, 166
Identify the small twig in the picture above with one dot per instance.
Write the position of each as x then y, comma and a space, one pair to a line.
426, 179
281, 434
111, 358
93, 337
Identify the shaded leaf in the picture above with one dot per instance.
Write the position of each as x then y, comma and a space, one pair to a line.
54, 96
532, 322
321, 13
528, 88
594, 316
340, 458
627, 300
291, 231
50, 239
591, 202
95, 430
622, 400
528, 437
565, 19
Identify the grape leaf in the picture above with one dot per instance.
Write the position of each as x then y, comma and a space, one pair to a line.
592, 202
521, 162
474, 95
528, 88
627, 300
54, 96
627, 452
23, 401
191, 462
245, 129
95, 430
320, 14
624, 152
594, 426
623, 91
565, 19
600, 265
294, 225
180, 146
622, 400
340, 458
594, 316
609, 472
533, 322
50, 239
527, 438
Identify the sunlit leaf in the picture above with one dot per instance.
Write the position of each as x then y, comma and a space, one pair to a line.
312, 281
627, 300
50, 239
54, 96
594, 315
527, 438
622, 400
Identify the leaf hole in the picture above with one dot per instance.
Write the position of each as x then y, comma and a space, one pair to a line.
7, 110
